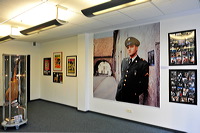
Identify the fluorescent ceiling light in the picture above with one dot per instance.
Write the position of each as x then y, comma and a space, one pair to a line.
49, 24
7, 38
41, 27
110, 6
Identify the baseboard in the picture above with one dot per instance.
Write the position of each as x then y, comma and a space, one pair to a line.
40, 99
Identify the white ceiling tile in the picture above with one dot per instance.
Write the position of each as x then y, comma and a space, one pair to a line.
78, 5
116, 18
79, 18
15, 8
174, 6
93, 24
141, 11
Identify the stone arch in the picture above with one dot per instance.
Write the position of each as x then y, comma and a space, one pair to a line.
102, 67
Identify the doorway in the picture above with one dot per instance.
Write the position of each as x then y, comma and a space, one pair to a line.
28, 77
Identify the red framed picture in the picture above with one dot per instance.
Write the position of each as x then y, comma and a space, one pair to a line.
47, 66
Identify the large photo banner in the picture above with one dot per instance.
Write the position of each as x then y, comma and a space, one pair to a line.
127, 65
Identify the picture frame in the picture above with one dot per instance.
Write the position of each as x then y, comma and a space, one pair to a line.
183, 86
47, 66
151, 58
57, 77
182, 48
71, 66
57, 61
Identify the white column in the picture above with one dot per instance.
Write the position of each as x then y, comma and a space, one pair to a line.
84, 69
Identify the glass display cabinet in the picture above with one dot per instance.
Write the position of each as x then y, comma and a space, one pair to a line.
14, 89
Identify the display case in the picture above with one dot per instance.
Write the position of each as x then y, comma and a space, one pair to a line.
15, 91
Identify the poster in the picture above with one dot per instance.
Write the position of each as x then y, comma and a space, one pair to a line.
47, 66
71, 66
57, 61
110, 50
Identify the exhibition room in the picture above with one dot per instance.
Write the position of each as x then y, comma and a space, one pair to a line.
99, 66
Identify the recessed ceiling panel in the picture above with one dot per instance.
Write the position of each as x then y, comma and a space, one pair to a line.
142, 11
174, 6
116, 18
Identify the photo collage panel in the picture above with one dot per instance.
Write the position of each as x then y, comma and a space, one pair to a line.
183, 86
182, 48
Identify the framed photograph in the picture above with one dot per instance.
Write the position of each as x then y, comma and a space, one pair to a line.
57, 77
183, 86
57, 61
151, 58
182, 48
71, 66
47, 66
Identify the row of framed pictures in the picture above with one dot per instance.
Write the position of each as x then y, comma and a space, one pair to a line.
71, 66
182, 51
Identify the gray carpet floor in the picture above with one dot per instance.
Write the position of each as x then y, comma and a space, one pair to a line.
44, 116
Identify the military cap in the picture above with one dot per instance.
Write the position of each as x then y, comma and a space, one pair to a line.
132, 41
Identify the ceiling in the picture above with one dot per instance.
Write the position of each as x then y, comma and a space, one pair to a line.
78, 23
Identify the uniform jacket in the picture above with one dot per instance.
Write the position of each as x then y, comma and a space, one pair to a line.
134, 80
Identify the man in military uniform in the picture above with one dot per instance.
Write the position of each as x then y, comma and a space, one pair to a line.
134, 74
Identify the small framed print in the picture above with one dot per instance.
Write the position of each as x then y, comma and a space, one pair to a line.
47, 66
71, 66
151, 58
183, 86
57, 77
57, 61
182, 48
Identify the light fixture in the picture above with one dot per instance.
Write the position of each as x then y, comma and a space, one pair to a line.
110, 6
7, 38
47, 25
41, 27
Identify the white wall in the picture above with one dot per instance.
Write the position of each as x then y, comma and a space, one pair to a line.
188, 115
176, 116
65, 93
23, 48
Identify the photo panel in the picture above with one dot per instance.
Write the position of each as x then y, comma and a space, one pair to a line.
183, 86
182, 48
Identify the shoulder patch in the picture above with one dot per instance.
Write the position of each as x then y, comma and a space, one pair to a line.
142, 59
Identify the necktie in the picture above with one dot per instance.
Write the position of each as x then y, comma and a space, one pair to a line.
130, 61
